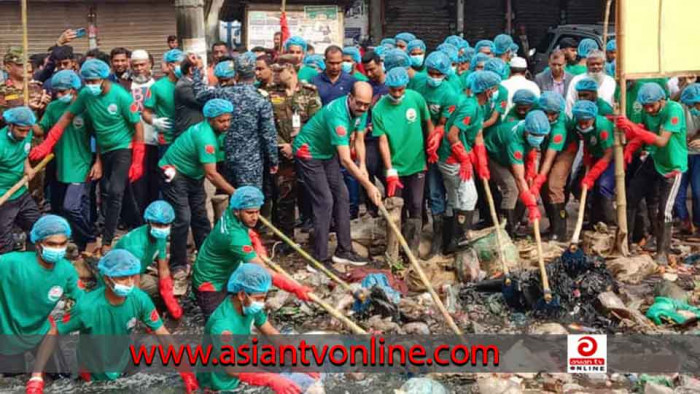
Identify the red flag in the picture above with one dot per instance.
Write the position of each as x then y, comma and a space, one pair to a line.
284, 27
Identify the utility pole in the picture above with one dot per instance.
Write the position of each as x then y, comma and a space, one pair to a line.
190, 27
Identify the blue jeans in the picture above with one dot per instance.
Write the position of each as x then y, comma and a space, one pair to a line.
605, 185
436, 191
353, 192
76, 208
692, 178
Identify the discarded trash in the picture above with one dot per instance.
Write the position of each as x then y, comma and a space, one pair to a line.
497, 385
422, 386
632, 269
467, 266
600, 242
485, 245
438, 276
667, 309
670, 290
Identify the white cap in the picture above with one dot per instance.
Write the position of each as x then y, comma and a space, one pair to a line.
518, 62
139, 54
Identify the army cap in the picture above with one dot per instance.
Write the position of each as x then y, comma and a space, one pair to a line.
284, 60
14, 55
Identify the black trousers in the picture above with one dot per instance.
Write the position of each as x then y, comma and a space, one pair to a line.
188, 199
21, 211
208, 301
412, 194
115, 175
329, 199
144, 191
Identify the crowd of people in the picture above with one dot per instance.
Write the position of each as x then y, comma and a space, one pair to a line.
304, 139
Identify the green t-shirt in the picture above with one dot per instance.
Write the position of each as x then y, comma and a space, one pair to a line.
575, 69
507, 145
454, 81
197, 146
499, 106
514, 116
417, 80
360, 76
469, 120
598, 140
464, 79
73, 153
604, 108
307, 73
28, 294
223, 325
103, 347
559, 137
403, 126
161, 99
634, 108
329, 128
143, 246
442, 101
225, 248
673, 156
112, 115
12, 156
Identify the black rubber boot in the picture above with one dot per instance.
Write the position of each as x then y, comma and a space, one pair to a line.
448, 223
436, 244
607, 211
558, 220
464, 224
509, 216
549, 210
663, 243
413, 230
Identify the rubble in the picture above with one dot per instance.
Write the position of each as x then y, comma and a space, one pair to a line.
422, 386
632, 270
498, 385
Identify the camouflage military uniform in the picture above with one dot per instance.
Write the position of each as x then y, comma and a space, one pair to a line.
251, 141
11, 96
304, 103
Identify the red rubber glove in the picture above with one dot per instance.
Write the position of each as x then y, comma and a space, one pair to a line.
537, 183
165, 286
278, 383
291, 286
482, 161
138, 151
190, 381
594, 173
633, 130
464, 159
43, 149
35, 386
531, 203
631, 148
533, 213
257, 243
392, 182
433, 143
531, 165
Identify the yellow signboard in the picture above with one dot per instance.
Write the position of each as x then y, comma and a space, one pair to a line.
661, 37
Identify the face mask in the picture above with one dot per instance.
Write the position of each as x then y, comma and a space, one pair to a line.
417, 60
160, 233
11, 136
493, 97
254, 308
347, 67
396, 100
178, 72
94, 89
695, 112
121, 290
66, 99
535, 140
52, 255
435, 82
584, 130
454, 69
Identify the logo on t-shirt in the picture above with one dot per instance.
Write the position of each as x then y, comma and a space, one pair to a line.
209, 149
674, 120
518, 155
112, 109
226, 336
594, 141
55, 293
78, 122
154, 316
131, 324
411, 115
558, 138
435, 108
27, 147
340, 130
604, 136
247, 248
637, 106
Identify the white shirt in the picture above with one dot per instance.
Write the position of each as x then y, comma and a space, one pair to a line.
606, 91
138, 92
515, 83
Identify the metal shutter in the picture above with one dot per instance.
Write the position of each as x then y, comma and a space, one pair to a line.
586, 11
428, 20
483, 19
537, 16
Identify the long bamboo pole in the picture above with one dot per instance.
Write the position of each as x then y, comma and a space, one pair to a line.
25, 179
620, 190
25, 54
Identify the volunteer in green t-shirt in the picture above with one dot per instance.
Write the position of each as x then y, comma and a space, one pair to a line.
524, 100
496, 108
664, 129
442, 101
559, 150
452, 77
321, 146
597, 135
159, 107
105, 318
232, 243
401, 119
15, 142
118, 132
587, 89
416, 50
186, 163
148, 243
311, 67
31, 284
351, 59
507, 146
74, 168
242, 307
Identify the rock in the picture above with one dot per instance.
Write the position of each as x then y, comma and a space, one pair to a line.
423, 386
571, 388
670, 277
496, 385
277, 301
598, 379
655, 388
610, 301
360, 249
549, 329
551, 384
416, 328
632, 270
670, 290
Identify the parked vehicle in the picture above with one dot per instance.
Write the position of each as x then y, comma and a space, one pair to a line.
556, 34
